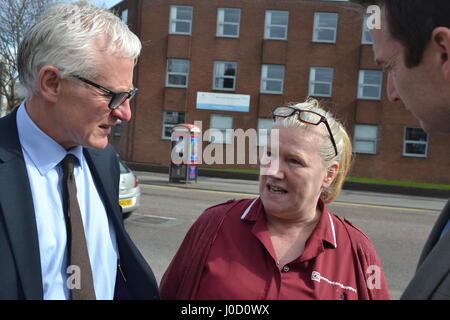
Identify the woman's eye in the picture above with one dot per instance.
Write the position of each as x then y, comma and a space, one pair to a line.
295, 161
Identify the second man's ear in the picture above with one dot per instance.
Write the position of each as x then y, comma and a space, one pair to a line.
441, 38
49, 83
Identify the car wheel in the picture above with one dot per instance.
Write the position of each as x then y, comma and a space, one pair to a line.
126, 215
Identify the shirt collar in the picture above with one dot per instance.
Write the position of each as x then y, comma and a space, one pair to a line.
324, 231
44, 152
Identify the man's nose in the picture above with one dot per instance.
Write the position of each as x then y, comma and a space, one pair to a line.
123, 112
392, 92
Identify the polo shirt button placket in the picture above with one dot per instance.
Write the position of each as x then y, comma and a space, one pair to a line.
286, 269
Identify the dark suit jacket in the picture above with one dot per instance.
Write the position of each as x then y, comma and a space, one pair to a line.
20, 266
432, 278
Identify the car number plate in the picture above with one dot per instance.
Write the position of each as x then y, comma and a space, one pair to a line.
125, 202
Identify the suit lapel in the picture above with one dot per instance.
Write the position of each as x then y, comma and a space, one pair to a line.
16, 203
435, 232
434, 262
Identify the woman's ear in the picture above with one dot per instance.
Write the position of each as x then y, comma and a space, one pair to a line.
332, 172
49, 83
441, 39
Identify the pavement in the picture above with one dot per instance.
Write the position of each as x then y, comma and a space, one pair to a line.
250, 187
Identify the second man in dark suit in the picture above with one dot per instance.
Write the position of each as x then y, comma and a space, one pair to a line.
412, 44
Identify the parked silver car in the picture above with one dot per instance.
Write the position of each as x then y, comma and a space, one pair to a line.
129, 190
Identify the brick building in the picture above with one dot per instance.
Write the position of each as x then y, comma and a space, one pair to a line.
265, 53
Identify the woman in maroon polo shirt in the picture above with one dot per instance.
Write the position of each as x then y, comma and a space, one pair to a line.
284, 244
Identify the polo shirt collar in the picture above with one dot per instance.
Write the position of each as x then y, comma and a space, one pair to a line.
325, 229
44, 152
323, 233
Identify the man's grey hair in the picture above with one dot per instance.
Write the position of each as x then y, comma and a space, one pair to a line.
66, 37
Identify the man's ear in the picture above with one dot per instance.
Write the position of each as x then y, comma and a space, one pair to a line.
49, 83
441, 38
332, 172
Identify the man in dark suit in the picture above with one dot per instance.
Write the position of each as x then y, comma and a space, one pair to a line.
412, 44
76, 67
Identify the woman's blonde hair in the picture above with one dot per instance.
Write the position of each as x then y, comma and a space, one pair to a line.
327, 152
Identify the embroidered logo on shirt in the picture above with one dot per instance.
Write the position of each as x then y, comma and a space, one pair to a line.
315, 276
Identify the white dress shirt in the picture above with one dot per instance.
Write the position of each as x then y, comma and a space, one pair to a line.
42, 158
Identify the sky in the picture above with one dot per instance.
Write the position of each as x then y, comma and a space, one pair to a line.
107, 3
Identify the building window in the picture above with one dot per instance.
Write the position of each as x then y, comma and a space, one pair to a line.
272, 78
228, 21
366, 36
124, 16
370, 82
219, 126
180, 20
276, 25
325, 27
224, 76
177, 73
170, 119
321, 82
415, 143
264, 127
365, 138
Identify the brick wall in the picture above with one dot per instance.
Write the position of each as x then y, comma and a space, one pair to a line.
141, 140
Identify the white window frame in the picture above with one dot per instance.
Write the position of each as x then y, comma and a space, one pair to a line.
264, 127
170, 125
124, 16
313, 81
366, 37
318, 28
221, 23
268, 25
174, 73
174, 20
216, 75
362, 85
365, 138
265, 79
405, 142
221, 133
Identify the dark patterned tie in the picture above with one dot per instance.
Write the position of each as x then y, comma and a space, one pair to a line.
78, 253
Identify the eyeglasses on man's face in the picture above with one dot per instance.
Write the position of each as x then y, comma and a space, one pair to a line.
117, 98
305, 116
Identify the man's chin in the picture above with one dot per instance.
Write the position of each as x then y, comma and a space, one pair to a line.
98, 143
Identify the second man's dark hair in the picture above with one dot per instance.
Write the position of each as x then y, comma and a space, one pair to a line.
412, 22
